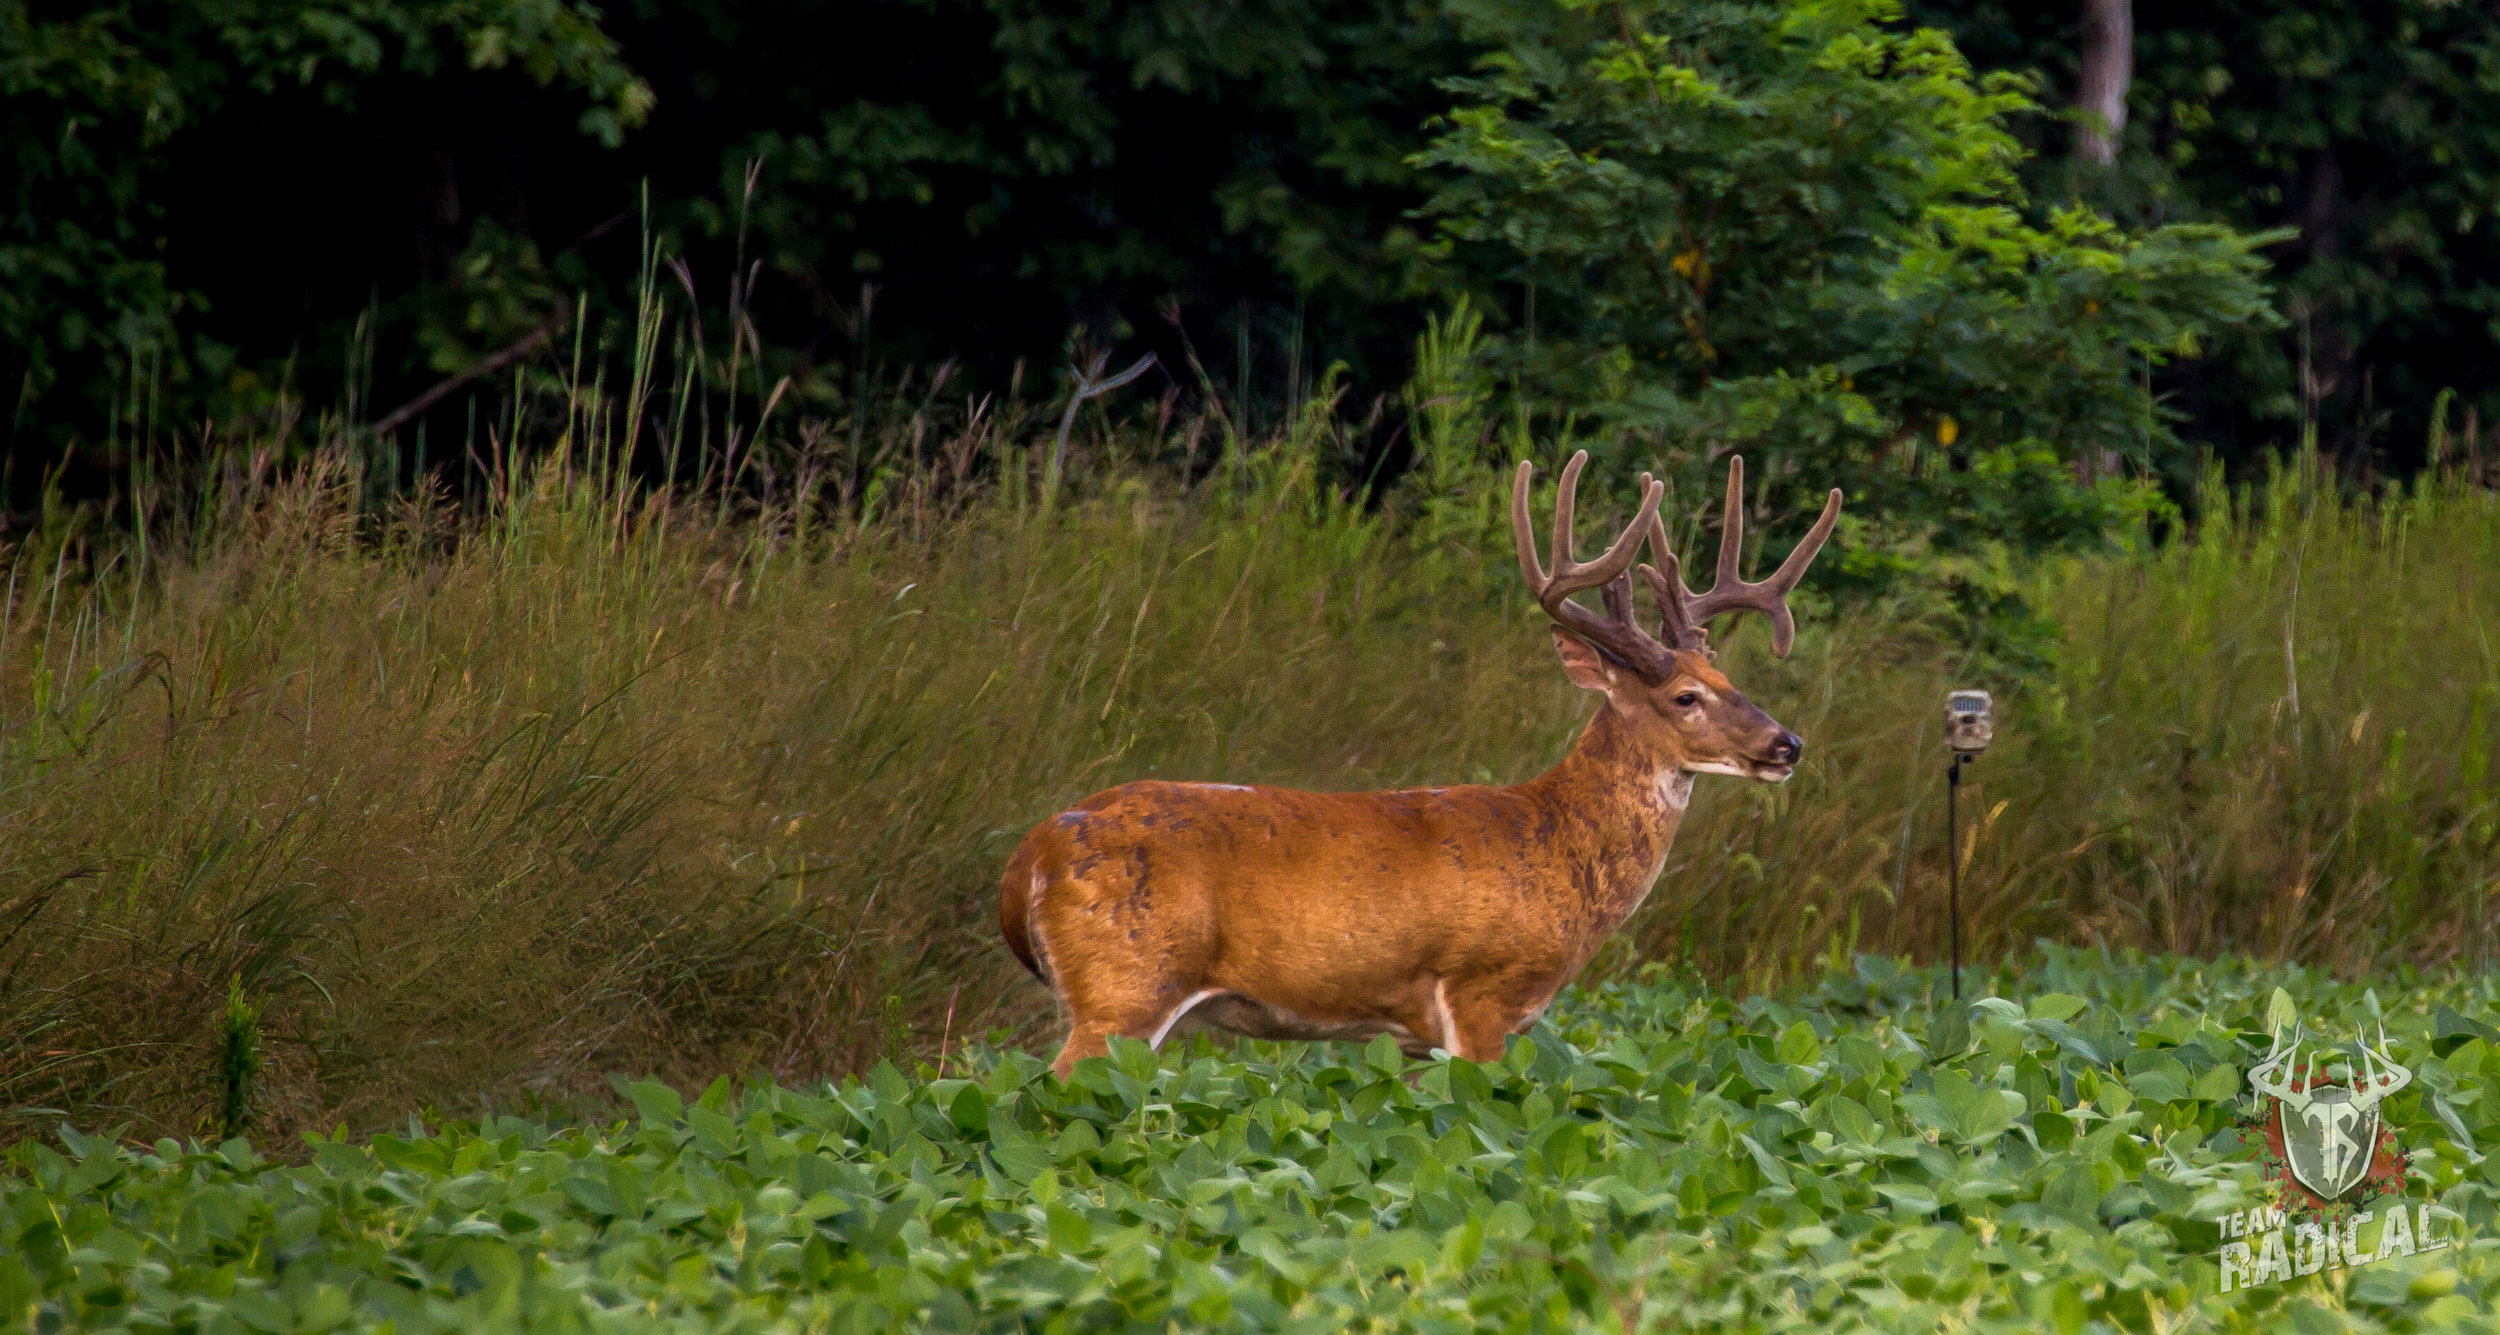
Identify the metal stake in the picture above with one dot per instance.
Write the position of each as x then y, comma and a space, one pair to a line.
1968, 724
1953, 860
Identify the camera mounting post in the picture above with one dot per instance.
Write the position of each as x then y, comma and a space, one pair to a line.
1969, 725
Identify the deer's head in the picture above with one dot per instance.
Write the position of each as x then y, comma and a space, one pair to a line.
1664, 686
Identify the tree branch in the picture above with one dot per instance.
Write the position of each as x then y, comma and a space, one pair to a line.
486, 366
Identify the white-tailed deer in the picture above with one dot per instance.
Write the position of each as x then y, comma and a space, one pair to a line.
1445, 917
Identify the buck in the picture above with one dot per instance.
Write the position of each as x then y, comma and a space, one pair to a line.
1445, 917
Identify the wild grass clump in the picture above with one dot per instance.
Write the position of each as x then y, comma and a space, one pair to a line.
2272, 736
474, 806
483, 808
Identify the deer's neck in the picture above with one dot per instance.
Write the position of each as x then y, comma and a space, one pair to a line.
1615, 805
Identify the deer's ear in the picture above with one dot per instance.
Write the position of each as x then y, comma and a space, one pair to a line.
1582, 663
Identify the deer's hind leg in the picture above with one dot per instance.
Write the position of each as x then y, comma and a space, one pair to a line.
1124, 963
1091, 1037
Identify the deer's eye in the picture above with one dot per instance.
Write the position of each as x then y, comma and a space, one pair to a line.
1687, 700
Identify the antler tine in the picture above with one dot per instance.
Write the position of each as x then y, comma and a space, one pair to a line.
1615, 633
1731, 529
1523, 530
1666, 587
1566, 501
1689, 619
1803, 554
1570, 575
1616, 593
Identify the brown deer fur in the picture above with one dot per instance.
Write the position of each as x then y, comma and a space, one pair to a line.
1445, 917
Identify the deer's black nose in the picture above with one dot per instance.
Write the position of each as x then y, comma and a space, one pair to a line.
1788, 748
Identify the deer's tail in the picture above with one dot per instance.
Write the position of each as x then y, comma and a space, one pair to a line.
1018, 887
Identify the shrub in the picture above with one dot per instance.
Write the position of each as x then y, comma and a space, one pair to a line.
1791, 229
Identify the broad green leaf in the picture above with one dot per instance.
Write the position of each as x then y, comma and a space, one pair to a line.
2063, 1308
970, 1110
592, 1195
1520, 1055
1949, 1034
2067, 1038
2074, 1192
1799, 1045
2055, 1006
1017, 1153
2457, 1133
1410, 1250
2162, 1079
1854, 1121
1382, 1055
1904, 1196
1771, 1167
1973, 1113
1859, 1058
659, 1105
1509, 1221
1070, 1232
2451, 1029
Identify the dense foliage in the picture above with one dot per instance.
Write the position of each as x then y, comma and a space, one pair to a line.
2373, 129
1793, 230
212, 206
103, 287
1028, 165
1857, 1156
356, 200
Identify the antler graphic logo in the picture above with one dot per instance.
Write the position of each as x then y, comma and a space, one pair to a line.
2330, 1131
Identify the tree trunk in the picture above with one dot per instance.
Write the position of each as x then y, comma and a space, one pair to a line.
2108, 66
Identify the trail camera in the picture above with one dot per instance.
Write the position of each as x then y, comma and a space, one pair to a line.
1968, 724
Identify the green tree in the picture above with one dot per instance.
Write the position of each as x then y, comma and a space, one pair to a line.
1798, 230
1003, 170
93, 104
2371, 130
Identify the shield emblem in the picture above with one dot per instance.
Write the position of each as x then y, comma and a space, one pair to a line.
2331, 1141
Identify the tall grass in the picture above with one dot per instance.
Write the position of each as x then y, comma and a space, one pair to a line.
2273, 737
474, 807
